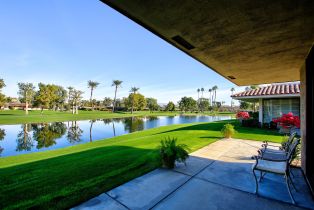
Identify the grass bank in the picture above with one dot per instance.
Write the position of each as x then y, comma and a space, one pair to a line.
63, 178
18, 116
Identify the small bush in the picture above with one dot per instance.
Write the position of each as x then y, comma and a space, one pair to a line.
228, 131
170, 152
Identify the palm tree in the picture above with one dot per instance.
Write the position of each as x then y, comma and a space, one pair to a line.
133, 90
202, 90
70, 89
214, 93
198, 94
117, 84
210, 95
92, 85
232, 91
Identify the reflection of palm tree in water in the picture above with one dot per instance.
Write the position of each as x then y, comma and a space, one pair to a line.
114, 129
24, 140
2, 135
108, 121
74, 133
90, 130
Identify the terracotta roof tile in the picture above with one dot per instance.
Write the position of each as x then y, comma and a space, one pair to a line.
275, 89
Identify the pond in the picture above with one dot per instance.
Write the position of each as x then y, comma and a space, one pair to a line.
27, 138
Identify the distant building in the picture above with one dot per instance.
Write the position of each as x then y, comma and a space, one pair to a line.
16, 105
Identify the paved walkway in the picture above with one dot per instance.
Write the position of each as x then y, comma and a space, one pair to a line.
218, 176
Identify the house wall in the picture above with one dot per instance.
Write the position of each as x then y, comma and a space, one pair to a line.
307, 117
275, 107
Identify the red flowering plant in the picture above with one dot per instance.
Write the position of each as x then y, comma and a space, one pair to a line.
243, 115
288, 120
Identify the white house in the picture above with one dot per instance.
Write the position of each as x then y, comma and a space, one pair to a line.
274, 100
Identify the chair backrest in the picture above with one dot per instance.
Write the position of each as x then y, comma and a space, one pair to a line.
289, 142
292, 148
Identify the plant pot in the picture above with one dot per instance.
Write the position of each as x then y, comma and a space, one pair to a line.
168, 162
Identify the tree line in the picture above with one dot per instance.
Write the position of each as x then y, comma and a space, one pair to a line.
55, 97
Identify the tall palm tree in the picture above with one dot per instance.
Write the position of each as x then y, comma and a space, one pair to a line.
232, 91
214, 93
117, 84
202, 90
70, 89
210, 95
198, 94
92, 85
133, 90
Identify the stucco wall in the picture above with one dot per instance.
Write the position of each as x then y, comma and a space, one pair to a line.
303, 115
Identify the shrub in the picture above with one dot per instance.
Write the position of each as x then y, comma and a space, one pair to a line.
170, 152
228, 131
243, 115
288, 120
250, 123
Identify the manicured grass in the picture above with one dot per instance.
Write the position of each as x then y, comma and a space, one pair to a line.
18, 116
63, 178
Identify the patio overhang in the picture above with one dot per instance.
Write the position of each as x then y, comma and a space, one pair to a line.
247, 42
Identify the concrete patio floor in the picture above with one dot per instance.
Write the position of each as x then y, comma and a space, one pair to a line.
218, 176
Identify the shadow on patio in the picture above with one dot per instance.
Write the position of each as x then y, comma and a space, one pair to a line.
218, 176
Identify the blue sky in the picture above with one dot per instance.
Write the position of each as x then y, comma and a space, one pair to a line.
70, 42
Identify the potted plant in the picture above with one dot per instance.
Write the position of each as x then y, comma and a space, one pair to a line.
170, 152
228, 130
287, 122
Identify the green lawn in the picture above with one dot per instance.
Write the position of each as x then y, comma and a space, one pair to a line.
18, 116
63, 178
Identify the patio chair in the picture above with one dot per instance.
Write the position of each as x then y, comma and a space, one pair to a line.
275, 148
277, 154
280, 167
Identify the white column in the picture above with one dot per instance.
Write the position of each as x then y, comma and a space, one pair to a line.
260, 113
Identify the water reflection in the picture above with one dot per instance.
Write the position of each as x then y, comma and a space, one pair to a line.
2, 135
74, 132
112, 121
24, 139
133, 124
47, 136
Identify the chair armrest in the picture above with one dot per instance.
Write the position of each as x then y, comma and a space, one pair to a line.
276, 160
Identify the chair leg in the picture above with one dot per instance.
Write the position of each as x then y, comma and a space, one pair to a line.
289, 190
290, 179
291, 173
262, 175
256, 182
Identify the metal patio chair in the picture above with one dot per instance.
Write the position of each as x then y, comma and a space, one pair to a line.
277, 154
275, 148
280, 166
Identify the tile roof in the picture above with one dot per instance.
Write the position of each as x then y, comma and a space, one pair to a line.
274, 89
